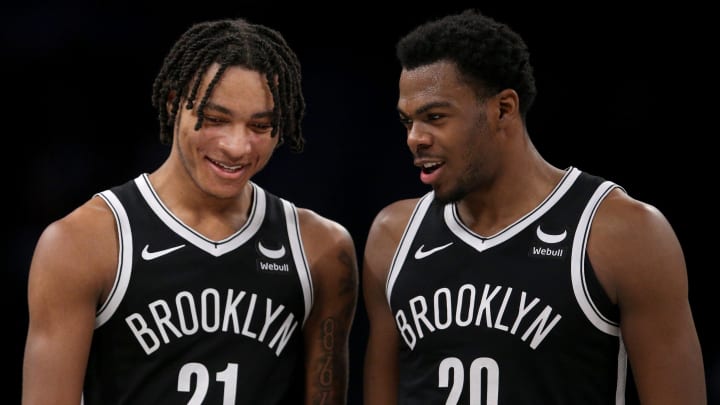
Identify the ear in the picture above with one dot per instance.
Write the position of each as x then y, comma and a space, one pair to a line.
508, 104
169, 102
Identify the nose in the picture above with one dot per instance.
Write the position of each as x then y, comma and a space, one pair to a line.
418, 137
237, 141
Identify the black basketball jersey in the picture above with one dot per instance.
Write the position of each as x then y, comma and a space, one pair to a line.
191, 320
514, 318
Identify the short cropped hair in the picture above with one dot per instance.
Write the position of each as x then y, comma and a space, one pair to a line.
488, 54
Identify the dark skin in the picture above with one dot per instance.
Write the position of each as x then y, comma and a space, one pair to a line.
480, 153
205, 183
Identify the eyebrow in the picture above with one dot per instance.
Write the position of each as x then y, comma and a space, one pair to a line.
216, 107
426, 107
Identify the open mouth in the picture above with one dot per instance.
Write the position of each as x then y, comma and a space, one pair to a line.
227, 168
428, 168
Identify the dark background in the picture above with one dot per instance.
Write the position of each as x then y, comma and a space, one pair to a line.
621, 95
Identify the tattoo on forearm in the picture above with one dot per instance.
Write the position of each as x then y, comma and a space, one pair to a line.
326, 376
332, 370
328, 344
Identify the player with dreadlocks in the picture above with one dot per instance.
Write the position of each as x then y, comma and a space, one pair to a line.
192, 284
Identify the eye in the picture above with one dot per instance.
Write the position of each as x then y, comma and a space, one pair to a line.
434, 117
405, 121
211, 120
262, 127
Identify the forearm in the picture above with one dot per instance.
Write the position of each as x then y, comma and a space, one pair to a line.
380, 379
328, 366
49, 375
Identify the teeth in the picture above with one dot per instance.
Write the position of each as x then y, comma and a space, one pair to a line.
431, 165
230, 167
226, 167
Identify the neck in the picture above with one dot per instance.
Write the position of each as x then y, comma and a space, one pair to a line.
214, 217
519, 185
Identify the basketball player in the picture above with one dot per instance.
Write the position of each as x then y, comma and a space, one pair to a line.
514, 281
192, 284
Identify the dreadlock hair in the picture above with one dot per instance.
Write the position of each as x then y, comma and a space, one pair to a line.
488, 54
231, 43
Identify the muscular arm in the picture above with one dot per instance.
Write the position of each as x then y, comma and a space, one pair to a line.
64, 288
639, 260
333, 264
380, 378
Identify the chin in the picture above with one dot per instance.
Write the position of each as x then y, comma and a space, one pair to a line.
449, 196
223, 191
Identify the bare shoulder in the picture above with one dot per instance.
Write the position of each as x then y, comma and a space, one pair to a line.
86, 225
319, 230
389, 223
636, 221
383, 239
78, 245
632, 242
328, 245
393, 217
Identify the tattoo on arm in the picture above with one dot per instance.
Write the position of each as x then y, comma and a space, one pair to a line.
332, 375
326, 370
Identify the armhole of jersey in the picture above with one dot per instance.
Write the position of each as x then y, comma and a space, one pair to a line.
125, 254
408, 236
577, 269
298, 252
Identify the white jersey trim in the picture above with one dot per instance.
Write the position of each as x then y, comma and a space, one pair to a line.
215, 248
125, 254
577, 262
482, 243
298, 252
404, 246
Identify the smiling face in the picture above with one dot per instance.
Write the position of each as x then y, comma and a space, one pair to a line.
234, 142
449, 131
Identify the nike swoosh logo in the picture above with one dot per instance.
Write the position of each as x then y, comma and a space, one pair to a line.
421, 254
271, 253
550, 238
148, 255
